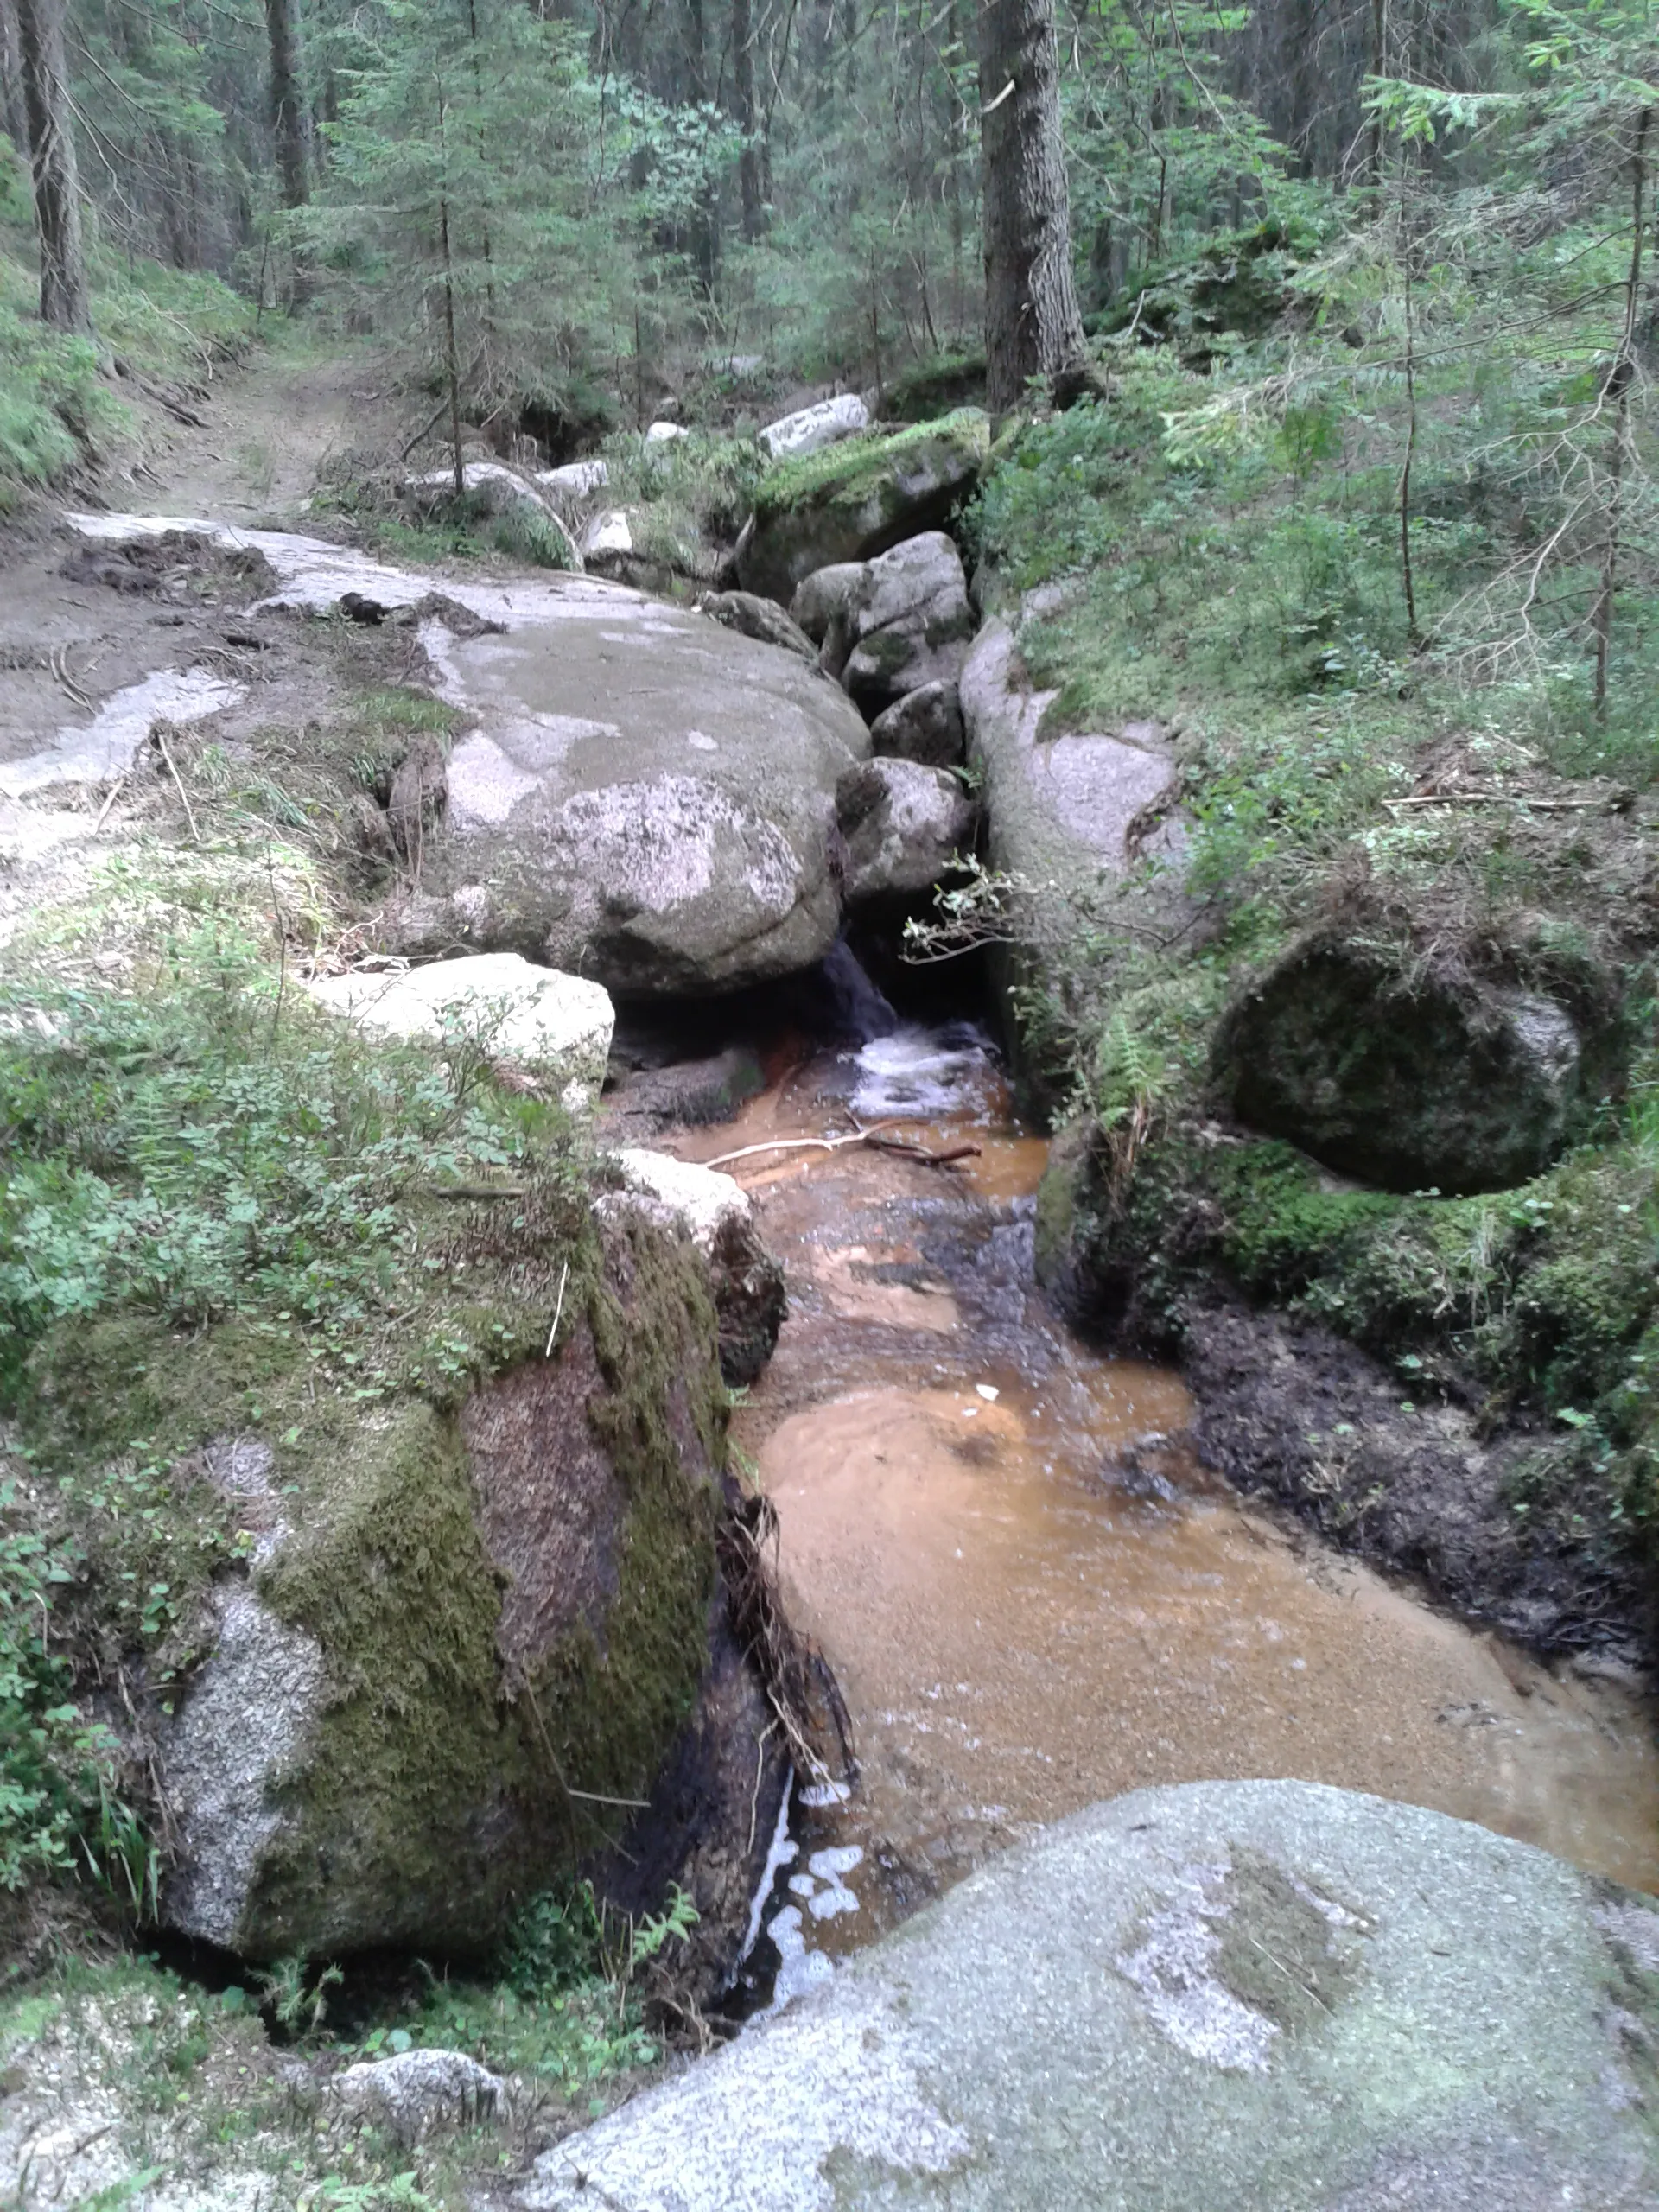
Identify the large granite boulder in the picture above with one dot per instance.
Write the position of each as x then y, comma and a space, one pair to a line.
462, 1603
639, 796
1064, 812
902, 824
913, 624
857, 498
1071, 819
1411, 1066
925, 725
1266, 1996
646, 798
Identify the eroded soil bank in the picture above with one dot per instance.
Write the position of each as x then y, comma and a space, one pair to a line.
1033, 1593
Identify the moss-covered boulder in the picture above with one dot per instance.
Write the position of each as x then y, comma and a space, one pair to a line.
519, 521
854, 499
439, 1632
1413, 1062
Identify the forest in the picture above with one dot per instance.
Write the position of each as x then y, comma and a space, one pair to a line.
1411, 238
1105, 550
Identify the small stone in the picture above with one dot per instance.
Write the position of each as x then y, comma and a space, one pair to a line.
421, 2093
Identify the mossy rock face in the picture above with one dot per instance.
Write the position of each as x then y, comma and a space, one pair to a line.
462, 1632
857, 498
1409, 1070
931, 387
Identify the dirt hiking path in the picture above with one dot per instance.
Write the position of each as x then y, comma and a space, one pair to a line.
263, 435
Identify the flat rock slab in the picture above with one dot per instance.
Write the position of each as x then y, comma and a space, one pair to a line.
98, 751
1228, 1997
641, 796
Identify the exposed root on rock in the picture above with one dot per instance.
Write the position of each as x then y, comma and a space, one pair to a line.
800, 1686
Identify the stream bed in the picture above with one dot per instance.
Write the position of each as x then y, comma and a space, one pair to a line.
1032, 1593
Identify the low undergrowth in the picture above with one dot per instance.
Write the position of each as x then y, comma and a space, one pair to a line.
1220, 552
227, 2088
63, 399
222, 1212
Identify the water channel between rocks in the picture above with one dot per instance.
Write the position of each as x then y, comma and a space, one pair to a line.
1032, 1595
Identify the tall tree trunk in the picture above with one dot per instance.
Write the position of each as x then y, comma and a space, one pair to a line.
1622, 458
288, 115
1034, 326
13, 121
64, 300
748, 164
705, 218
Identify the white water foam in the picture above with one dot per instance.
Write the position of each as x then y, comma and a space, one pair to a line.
925, 1074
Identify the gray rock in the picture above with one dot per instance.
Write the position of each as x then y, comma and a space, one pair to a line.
902, 822
360, 1758
716, 1213
646, 798
665, 434
812, 428
420, 2093
1268, 1997
535, 531
576, 481
925, 725
241, 1732
689, 1094
763, 620
558, 1026
858, 500
1068, 816
913, 625
827, 594
1404, 1065
608, 537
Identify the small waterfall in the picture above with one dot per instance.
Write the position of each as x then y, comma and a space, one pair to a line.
852, 1008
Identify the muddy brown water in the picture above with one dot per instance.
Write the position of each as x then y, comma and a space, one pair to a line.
1032, 1594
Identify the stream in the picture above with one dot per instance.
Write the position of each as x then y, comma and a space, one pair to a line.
1033, 1595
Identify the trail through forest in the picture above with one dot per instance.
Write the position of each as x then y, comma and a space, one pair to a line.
257, 439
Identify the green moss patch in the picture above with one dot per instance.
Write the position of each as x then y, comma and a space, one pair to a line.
843, 477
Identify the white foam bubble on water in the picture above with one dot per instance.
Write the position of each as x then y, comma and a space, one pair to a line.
783, 1849
927, 1074
798, 1969
839, 1859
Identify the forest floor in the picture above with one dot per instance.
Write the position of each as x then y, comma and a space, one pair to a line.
261, 433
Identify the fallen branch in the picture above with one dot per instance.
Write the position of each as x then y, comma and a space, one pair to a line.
159, 733
800, 1684
875, 1137
474, 1192
1506, 798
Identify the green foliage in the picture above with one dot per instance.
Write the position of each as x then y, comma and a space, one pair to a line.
60, 407
460, 210
212, 1142
55, 1764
